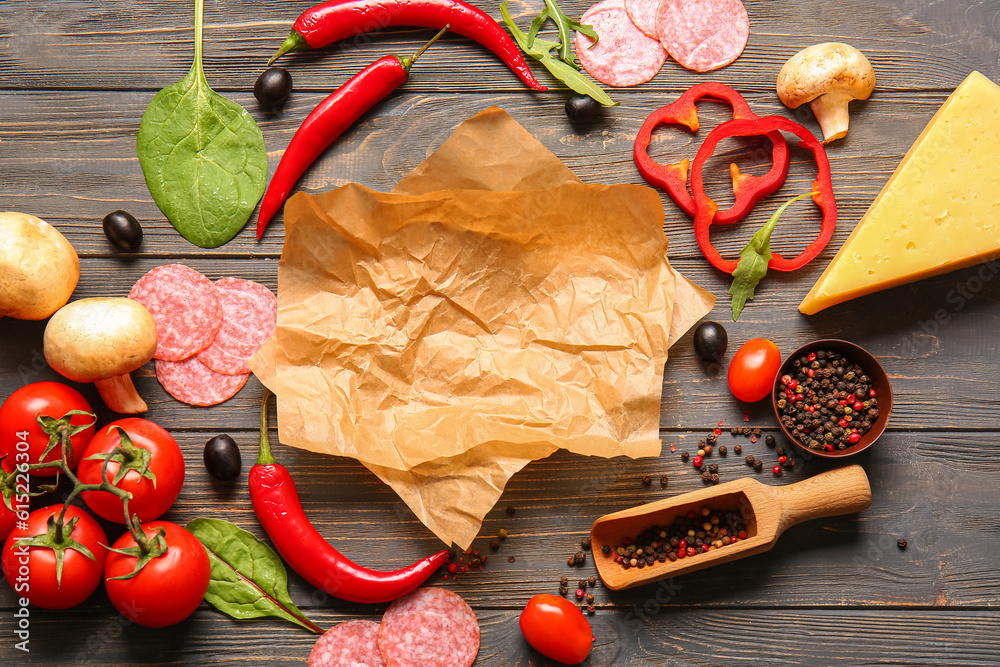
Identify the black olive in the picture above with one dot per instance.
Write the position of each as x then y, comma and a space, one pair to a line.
710, 340
582, 109
222, 458
273, 87
123, 230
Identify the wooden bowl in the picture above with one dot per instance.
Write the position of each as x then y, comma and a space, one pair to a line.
879, 381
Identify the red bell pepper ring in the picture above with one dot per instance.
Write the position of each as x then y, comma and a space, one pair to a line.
672, 178
707, 208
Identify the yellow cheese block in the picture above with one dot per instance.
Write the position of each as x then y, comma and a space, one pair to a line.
940, 210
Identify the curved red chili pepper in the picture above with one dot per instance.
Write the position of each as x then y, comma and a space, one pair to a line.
822, 186
333, 21
672, 178
279, 510
329, 120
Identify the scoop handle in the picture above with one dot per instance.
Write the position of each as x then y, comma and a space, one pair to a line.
841, 491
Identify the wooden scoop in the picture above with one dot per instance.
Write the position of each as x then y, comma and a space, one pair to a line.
767, 510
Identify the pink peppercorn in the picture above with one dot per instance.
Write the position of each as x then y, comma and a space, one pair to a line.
776, 470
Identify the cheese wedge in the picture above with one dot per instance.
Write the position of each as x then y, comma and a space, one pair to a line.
940, 210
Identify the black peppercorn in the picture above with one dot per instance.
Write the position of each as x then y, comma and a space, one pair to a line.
580, 557
591, 609
510, 559
585, 543
706, 476
780, 451
758, 465
494, 544
735, 430
749, 459
901, 543
663, 479
591, 580
746, 430
582, 583
685, 456
511, 511
713, 467
563, 590
571, 561
769, 440
715, 478
646, 480
606, 549
712, 439
564, 581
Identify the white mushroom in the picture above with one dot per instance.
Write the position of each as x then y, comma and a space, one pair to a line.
39, 268
829, 75
102, 341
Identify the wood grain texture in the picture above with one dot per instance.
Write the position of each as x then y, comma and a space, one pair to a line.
75, 78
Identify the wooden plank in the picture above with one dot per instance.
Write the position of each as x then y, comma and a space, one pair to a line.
930, 489
914, 45
69, 157
664, 637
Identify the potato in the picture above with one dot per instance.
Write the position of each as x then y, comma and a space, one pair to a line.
39, 269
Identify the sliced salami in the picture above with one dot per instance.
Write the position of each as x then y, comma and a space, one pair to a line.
185, 306
349, 644
643, 15
430, 627
624, 55
703, 35
194, 383
249, 317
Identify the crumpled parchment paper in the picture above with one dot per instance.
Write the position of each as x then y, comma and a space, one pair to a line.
489, 311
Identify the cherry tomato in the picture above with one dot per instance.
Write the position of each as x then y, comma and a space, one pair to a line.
149, 500
753, 369
31, 571
556, 628
169, 588
23, 440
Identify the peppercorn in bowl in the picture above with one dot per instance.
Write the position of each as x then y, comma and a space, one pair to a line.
832, 398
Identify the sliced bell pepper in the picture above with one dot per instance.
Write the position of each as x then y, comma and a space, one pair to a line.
706, 208
672, 178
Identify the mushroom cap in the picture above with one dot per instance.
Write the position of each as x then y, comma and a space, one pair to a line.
96, 339
39, 268
825, 68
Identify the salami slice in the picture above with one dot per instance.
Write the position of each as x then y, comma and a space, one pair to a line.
185, 306
194, 383
249, 317
349, 644
643, 15
624, 55
430, 627
703, 35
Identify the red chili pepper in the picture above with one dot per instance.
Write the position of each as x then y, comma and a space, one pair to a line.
822, 186
333, 21
279, 510
329, 120
672, 178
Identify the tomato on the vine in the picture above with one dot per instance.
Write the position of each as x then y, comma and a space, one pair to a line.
7, 520
753, 369
169, 587
153, 492
32, 570
556, 628
22, 438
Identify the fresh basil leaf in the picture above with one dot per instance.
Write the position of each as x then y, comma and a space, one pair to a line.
540, 49
752, 266
203, 156
248, 578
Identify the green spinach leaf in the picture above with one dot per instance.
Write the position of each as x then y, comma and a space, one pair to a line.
203, 155
752, 266
248, 578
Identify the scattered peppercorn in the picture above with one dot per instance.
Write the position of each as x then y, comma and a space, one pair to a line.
756, 431
563, 590
758, 465
685, 456
580, 557
592, 581
646, 480
606, 549
708, 449
746, 430
511, 511
494, 544
901, 543
711, 439
738, 449
780, 451
502, 534
715, 478
776, 470
723, 450
663, 479
591, 609
790, 463
582, 583
510, 559
706, 476
571, 561
713, 467
749, 459
735, 430
769, 440
585, 543
564, 580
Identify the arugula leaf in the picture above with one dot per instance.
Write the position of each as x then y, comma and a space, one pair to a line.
753, 260
203, 155
541, 50
565, 25
248, 578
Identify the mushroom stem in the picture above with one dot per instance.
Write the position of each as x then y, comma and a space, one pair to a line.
119, 395
831, 113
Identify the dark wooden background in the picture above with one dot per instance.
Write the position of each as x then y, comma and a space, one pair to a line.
75, 77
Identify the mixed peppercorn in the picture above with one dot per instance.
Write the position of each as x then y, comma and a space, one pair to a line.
691, 534
828, 403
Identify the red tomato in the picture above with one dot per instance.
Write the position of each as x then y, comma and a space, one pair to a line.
23, 440
169, 588
753, 369
149, 500
556, 628
31, 571
7, 520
